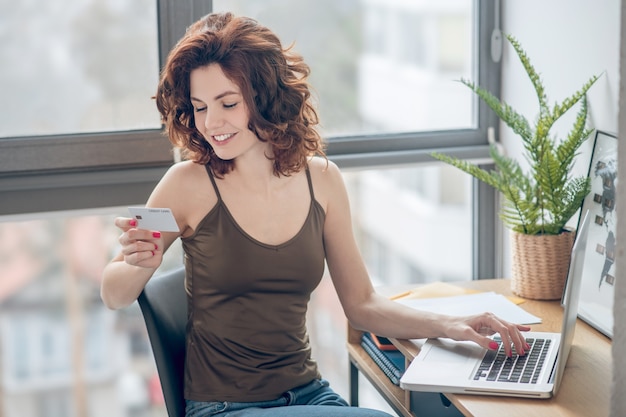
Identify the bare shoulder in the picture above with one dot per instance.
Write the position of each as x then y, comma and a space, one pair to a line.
187, 190
324, 171
185, 170
327, 179
184, 177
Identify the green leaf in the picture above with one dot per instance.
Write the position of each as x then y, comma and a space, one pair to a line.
543, 199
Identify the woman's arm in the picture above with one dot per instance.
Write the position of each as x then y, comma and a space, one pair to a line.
142, 251
125, 276
369, 311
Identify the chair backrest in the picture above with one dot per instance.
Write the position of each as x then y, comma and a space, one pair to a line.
163, 303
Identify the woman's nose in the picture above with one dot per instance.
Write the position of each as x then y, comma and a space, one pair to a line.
213, 120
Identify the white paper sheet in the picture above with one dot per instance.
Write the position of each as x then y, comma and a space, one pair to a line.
463, 305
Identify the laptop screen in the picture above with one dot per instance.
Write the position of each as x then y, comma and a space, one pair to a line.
570, 298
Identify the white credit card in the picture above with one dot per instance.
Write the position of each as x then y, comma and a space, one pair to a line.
152, 218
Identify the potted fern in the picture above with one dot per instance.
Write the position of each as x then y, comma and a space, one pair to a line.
538, 201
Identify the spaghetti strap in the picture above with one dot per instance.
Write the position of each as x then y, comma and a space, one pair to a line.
308, 178
217, 191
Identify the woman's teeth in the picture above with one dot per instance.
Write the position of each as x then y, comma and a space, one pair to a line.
221, 138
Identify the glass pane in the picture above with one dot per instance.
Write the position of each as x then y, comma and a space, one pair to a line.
78, 66
413, 224
378, 65
62, 352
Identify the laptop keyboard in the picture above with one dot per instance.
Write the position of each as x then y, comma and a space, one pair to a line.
495, 365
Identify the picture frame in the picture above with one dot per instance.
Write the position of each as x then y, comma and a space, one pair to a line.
598, 281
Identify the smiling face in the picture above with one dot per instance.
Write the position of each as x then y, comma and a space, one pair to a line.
221, 114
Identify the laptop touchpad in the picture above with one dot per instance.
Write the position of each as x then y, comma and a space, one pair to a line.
453, 352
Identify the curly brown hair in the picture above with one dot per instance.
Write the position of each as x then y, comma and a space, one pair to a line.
273, 82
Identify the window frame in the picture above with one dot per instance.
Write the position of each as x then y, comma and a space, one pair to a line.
103, 169
69, 172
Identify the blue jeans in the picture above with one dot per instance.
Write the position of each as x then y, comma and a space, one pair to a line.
315, 399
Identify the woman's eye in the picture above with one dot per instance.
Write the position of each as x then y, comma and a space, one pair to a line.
199, 109
229, 106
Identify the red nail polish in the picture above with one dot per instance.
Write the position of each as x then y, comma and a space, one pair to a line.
156, 247
152, 252
156, 234
493, 345
133, 222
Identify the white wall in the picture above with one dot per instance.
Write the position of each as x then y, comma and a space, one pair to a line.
568, 41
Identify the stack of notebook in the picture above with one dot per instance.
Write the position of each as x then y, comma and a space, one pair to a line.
390, 360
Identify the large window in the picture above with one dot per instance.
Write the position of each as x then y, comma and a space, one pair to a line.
81, 140
80, 130
77, 66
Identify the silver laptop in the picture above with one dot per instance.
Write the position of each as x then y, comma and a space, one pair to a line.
447, 366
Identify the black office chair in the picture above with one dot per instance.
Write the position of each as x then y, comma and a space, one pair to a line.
163, 303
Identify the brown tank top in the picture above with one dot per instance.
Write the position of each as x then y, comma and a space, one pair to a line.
246, 336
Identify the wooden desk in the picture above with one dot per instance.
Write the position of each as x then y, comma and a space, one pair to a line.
585, 389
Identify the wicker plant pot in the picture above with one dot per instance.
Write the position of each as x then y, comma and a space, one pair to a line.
540, 264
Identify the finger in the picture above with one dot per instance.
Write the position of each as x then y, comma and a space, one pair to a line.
508, 333
125, 223
137, 240
516, 338
143, 234
485, 341
143, 258
511, 336
520, 340
139, 246
509, 339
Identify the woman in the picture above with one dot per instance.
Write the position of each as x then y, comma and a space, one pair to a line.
260, 210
